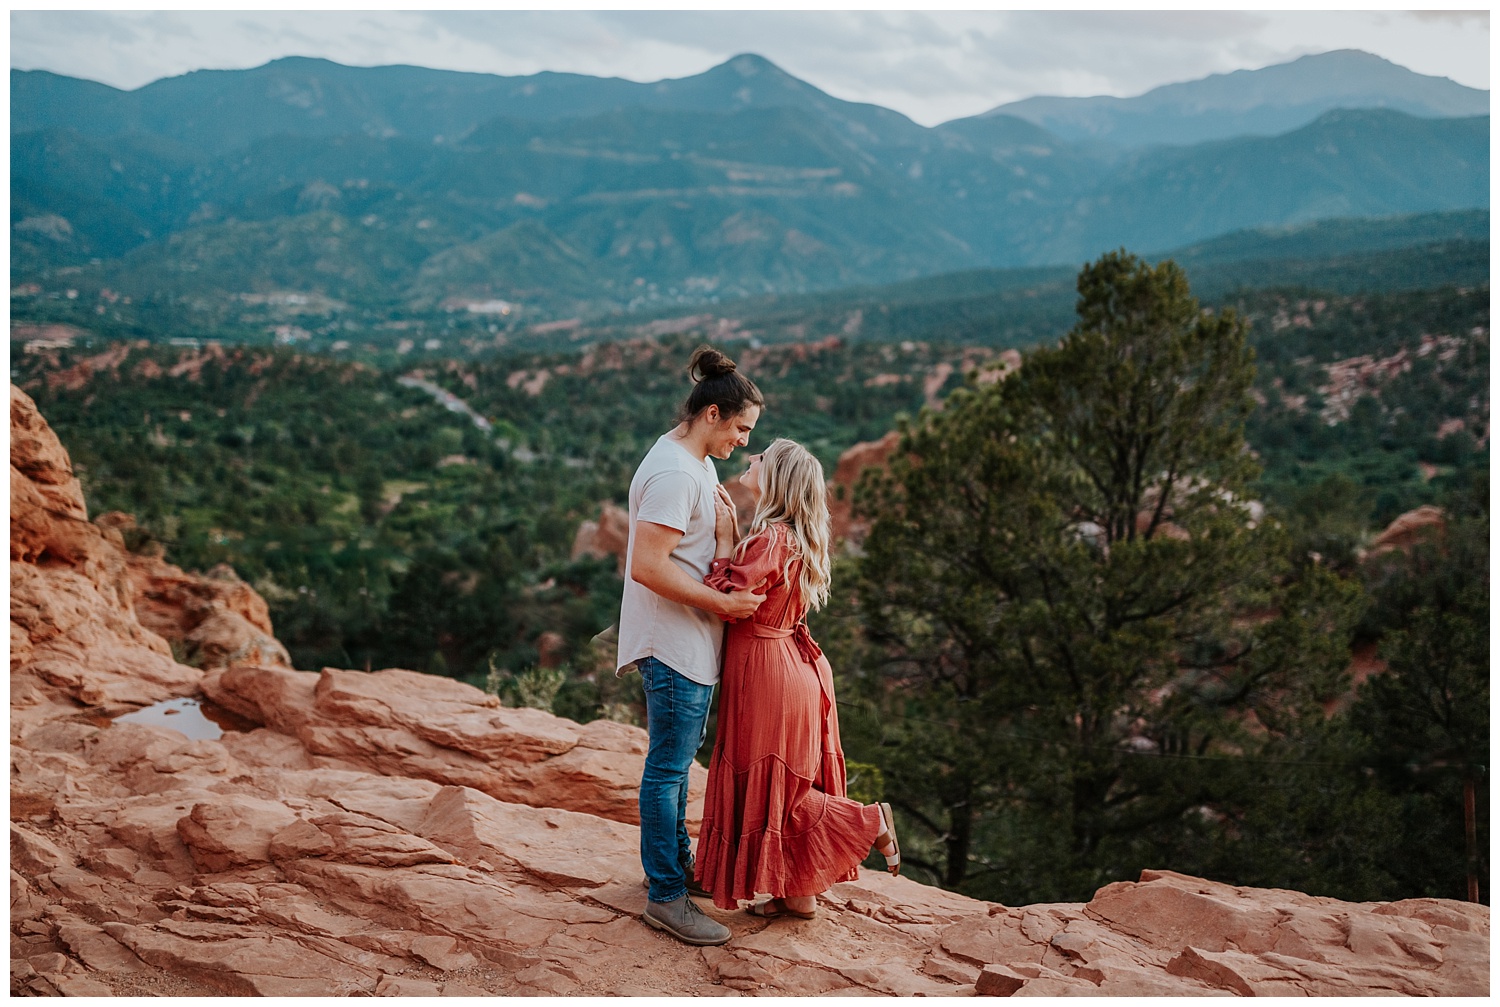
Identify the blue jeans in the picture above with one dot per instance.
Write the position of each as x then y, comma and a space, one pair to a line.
677, 722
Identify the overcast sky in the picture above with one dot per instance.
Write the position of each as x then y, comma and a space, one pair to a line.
931, 66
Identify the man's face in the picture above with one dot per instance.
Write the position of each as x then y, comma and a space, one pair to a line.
733, 432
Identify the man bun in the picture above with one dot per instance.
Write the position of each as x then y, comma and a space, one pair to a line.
717, 381
708, 362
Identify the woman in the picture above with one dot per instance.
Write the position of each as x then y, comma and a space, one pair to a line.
776, 818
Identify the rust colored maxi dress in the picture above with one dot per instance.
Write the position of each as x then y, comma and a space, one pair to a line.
776, 818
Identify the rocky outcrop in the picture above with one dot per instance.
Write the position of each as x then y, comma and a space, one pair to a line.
215, 618
607, 536
95, 627
1172, 935
406, 724
1425, 524
75, 640
250, 865
851, 466
393, 833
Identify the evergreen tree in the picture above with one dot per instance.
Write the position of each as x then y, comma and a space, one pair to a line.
1074, 608
1425, 720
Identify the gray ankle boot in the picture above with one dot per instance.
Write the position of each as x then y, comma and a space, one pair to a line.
685, 921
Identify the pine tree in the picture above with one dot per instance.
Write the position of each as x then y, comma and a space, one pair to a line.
1072, 603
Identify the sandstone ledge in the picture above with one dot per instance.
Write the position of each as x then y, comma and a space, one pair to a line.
248, 865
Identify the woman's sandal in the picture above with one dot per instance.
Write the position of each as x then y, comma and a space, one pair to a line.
892, 862
772, 908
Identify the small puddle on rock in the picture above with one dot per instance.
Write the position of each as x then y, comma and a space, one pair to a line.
197, 718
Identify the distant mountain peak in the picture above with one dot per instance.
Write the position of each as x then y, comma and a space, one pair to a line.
1358, 55
1351, 57
749, 64
1262, 102
295, 60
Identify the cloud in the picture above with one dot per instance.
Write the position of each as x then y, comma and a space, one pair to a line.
932, 66
1458, 17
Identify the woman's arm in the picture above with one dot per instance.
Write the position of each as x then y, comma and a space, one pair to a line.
758, 561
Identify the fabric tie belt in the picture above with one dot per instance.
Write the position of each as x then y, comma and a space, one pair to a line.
806, 645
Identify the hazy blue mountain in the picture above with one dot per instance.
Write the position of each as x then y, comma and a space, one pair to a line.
1340, 236
628, 203
219, 110
1262, 102
1020, 307
562, 190
1345, 164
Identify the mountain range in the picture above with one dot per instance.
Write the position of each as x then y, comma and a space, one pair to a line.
1265, 102
409, 186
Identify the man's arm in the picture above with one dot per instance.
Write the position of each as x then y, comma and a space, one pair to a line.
651, 566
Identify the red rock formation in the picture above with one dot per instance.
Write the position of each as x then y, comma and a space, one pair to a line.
1424, 524
76, 641
218, 618
1166, 529
608, 536
403, 723
846, 474
402, 834
82, 373
550, 649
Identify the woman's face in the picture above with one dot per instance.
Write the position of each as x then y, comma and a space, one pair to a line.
751, 479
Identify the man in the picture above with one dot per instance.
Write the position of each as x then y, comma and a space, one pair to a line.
671, 624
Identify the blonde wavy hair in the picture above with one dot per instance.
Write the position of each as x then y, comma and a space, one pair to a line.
794, 494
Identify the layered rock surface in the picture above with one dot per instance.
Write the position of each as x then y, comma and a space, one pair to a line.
75, 639
392, 833
406, 724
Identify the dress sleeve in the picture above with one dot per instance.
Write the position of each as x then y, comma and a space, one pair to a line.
760, 559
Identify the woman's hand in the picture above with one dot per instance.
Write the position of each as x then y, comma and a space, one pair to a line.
726, 524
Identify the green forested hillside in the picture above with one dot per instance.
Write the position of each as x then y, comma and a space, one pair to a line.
1400, 420
383, 528
307, 471
1338, 166
996, 308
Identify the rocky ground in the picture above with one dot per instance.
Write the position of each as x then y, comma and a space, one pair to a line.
393, 833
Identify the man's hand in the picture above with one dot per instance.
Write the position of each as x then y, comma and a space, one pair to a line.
742, 604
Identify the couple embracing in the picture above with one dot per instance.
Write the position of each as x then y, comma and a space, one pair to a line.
777, 821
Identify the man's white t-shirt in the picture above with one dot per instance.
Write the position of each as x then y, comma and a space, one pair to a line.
675, 489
